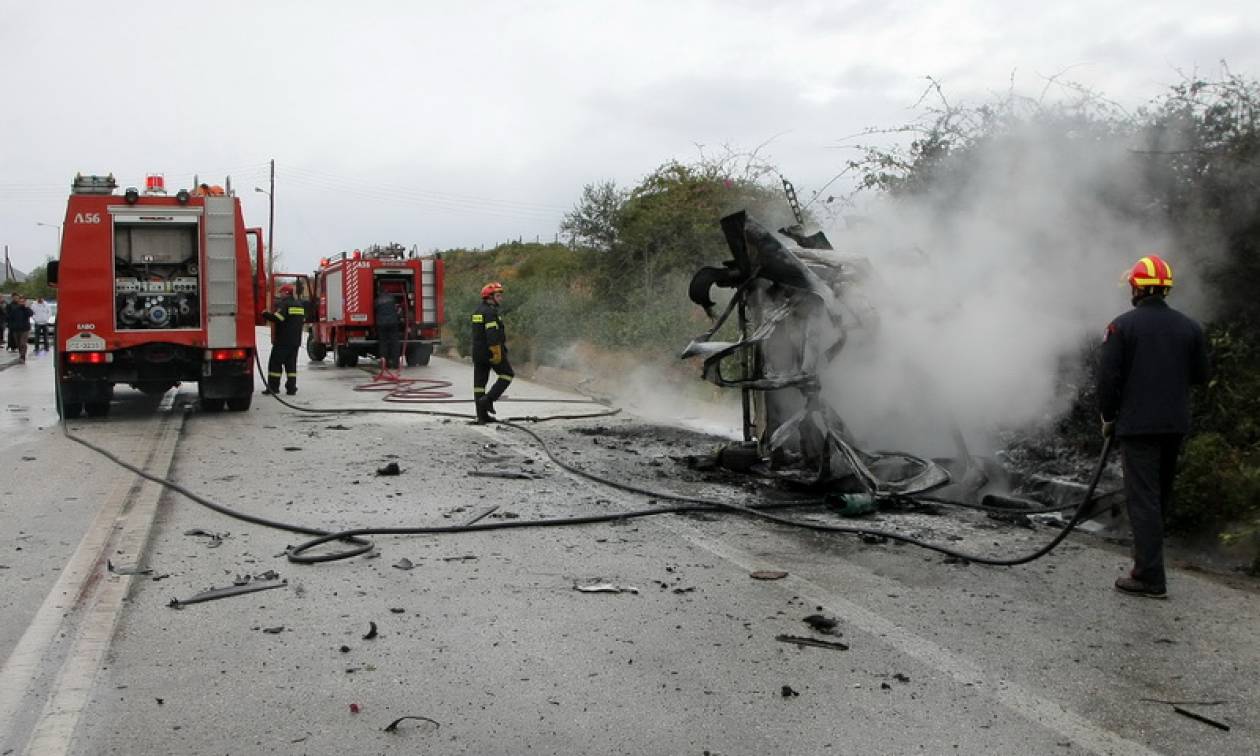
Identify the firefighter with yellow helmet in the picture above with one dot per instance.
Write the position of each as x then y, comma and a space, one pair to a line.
288, 317
489, 352
1151, 355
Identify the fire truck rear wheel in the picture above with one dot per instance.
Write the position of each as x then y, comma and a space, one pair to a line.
317, 351
240, 403
419, 354
212, 405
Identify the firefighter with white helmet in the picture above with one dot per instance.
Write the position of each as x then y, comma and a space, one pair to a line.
1151, 355
489, 352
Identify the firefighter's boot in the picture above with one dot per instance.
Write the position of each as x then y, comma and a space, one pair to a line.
273, 386
483, 414
290, 386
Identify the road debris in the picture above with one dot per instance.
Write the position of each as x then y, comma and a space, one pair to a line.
391, 469
354, 708
767, 575
483, 514
397, 609
216, 539
344, 649
1201, 718
605, 588
787, 692
404, 564
509, 474
213, 594
134, 569
274, 630
822, 624
800, 640
393, 726
464, 558
371, 633
293, 448
901, 678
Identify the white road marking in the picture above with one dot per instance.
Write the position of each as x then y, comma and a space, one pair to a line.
122, 524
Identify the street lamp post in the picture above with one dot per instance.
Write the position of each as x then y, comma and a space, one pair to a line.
271, 229
56, 226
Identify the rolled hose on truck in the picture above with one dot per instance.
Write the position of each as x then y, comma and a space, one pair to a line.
359, 545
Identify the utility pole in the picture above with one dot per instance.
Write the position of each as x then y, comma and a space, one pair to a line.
271, 222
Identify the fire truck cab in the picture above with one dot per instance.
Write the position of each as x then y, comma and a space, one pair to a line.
154, 290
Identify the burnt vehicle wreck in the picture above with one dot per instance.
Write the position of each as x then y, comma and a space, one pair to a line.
797, 301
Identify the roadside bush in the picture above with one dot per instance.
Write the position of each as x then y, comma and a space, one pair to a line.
1217, 486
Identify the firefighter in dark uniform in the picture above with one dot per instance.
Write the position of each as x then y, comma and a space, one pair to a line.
288, 316
388, 329
1151, 356
489, 352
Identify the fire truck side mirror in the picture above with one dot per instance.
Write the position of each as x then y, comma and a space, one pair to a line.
53, 267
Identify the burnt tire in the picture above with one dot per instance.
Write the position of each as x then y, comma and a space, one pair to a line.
315, 350
240, 403
418, 354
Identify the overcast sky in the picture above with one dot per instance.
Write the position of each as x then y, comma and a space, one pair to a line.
446, 124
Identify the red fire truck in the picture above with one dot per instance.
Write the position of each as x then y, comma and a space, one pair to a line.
345, 289
154, 290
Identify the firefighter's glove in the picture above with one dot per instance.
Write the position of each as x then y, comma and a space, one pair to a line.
1108, 428
496, 354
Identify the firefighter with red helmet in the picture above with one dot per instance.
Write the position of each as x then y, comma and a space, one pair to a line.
288, 317
1151, 355
489, 352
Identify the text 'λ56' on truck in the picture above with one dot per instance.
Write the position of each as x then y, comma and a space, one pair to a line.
154, 290
347, 289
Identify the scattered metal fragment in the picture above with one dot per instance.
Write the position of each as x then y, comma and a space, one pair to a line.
605, 588
216, 539
336, 427
464, 558
163, 576
803, 641
371, 633
293, 448
393, 726
397, 609
404, 564
767, 575
344, 649
233, 590
274, 630
901, 678
483, 514
685, 590
268, 575
354, 708
787, 692
134, 569
391, 469
1201, 718
822, 623
509, 474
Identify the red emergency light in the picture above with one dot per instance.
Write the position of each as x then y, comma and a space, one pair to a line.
155, 183
224, 355
87, 358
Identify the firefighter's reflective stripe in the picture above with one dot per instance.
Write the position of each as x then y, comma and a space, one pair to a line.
297, 310
491, 325
274, 375
479, 390
279, 315
505, 378
477, 318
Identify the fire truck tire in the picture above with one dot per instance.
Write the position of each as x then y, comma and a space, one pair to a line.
347, 357
317, 351
96, 409
419, 354
240, 403
71, 410
212, 405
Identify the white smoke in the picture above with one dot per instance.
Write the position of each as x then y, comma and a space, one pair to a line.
984, 288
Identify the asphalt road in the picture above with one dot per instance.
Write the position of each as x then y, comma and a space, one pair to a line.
487, 638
